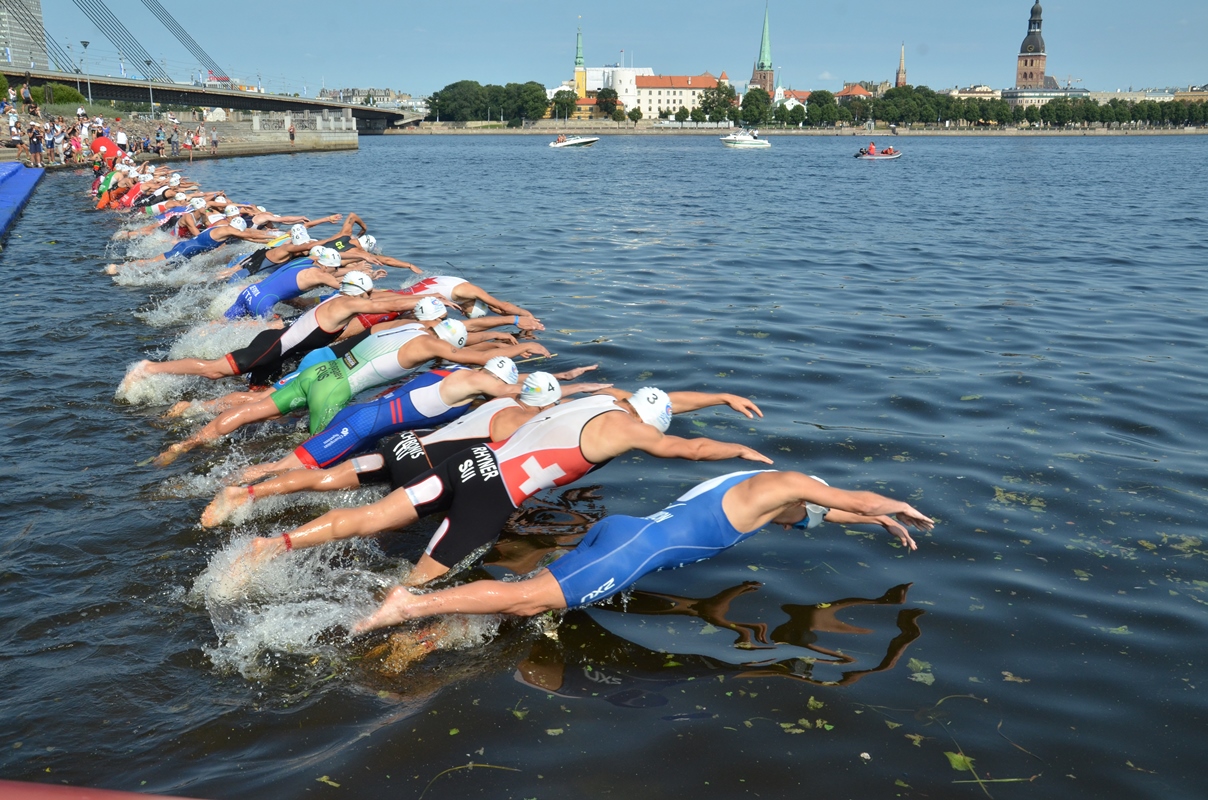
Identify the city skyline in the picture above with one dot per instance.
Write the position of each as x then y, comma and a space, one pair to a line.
419, 50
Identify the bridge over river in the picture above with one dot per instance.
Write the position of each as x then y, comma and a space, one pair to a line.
370, 119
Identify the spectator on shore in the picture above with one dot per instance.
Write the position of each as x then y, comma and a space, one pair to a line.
291, 136
214, 142
17, 141
27, 99
37, 141
120, 138
81, 114
174, 140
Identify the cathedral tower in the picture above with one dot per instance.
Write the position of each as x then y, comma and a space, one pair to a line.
901, 78
764, 76
1029, 70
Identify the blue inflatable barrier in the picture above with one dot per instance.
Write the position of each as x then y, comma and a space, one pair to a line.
17, 183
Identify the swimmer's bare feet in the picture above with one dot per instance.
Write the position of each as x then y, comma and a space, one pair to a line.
393, 610
171, 454
136, 373
180, 409
224, 504
111, 269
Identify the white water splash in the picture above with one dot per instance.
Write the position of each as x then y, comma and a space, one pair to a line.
286, 605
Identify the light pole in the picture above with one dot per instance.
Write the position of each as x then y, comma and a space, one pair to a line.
89, 77
150, 91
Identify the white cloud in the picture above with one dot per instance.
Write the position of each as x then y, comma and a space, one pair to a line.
826, 76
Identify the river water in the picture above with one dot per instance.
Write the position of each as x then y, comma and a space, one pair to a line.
1008, 333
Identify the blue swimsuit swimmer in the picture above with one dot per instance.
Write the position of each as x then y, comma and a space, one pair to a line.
358, 427
618, 550
258, 299
201, 243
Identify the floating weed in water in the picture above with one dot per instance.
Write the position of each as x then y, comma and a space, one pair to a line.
921, 672
1120, 631
1003, 497
1007, 676
471, 765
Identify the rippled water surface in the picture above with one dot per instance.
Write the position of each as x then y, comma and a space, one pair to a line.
1008, 333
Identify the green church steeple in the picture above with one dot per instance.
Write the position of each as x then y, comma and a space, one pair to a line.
579, 48
765, 46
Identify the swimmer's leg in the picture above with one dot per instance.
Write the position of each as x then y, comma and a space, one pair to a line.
212, 368
258, 471
521, 598
232, 498
217, 405
223, 424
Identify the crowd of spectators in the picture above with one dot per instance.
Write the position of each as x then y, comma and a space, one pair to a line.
52, 141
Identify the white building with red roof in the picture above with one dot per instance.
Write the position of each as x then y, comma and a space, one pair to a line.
657, 93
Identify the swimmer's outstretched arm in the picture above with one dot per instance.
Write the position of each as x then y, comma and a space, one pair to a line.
390, 261
485, 323
682, 402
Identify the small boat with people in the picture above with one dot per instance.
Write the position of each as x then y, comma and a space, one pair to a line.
574, 141
871, 153
745, 139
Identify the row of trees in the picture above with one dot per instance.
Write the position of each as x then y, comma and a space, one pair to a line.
469, 100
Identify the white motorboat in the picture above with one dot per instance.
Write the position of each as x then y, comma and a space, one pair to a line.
575, 141
744, 138
864, 156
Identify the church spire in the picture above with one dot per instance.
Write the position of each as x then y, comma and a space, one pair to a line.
579, 48
901, 77
765, 46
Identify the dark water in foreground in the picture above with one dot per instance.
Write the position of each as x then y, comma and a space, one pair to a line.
1008, 333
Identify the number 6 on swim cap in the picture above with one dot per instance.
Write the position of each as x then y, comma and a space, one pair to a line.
653, 406
452, 331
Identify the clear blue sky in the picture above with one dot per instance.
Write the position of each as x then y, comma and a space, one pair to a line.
420, 47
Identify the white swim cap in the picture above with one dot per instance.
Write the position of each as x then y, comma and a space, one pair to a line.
314, 251
299, 235
331, 258
231, 211
452, 331
239, 223
144, 178
540, 389
814, 514
504, 369
197, 204
261, 208
180, 197
354, 283
220, 201
367, 242
479, 309
174, 181
653, 406
429, 308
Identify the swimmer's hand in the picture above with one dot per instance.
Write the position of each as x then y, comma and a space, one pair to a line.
742, 405
411, 267
909, 516
748, 454
571, 374
534, 349
528, 323
895, 529
378, 274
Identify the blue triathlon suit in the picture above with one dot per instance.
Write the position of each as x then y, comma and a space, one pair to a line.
358, 427
201, 243
258, 299
619, 550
